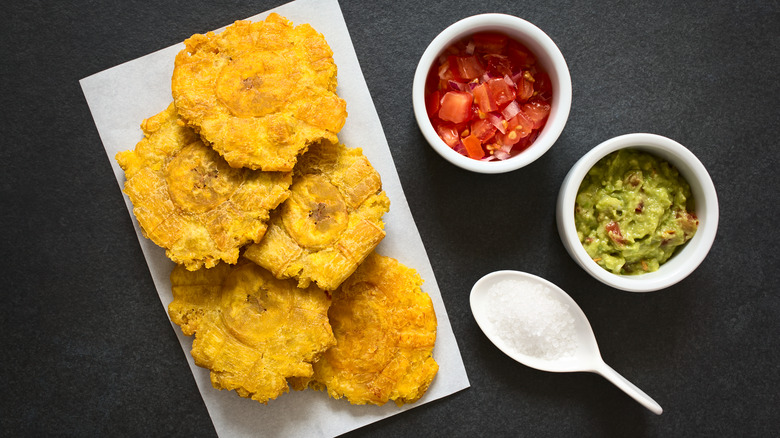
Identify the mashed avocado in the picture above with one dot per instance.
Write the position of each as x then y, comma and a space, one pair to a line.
632, 211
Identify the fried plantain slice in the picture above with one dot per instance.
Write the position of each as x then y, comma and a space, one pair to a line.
385, 328
188, 200
330, 222
260, 93
252, 331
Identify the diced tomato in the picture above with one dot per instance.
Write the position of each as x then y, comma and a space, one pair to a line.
537, 111
688, 222
500, 91
473, 147
475, 113
449, 134
521, 124
482, 129
433, 103
525, 142
509, 138
466, 67
446, 73
432, 80
525, 90
520, 55
483, 98
613, 232
543, 85
498, 65
489, 42
470, 67
456, 106
518, 128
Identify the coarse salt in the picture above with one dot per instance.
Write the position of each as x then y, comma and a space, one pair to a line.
530, 320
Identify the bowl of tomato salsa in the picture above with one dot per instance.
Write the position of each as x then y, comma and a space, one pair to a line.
492, 93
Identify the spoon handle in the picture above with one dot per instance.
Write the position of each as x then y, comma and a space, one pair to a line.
630, 389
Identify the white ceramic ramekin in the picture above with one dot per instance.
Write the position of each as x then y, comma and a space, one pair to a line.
548, 56
688, 257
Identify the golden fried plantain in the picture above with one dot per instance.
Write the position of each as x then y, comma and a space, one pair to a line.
252, 331
188, 200
331, 221
260, 92
385, 328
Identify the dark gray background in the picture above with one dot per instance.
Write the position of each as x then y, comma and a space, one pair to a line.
87, 348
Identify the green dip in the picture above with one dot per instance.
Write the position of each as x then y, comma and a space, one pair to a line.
632, 211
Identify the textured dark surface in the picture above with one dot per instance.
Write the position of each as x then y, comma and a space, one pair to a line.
88, 350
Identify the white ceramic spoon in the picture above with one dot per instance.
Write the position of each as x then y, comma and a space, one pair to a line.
587, 357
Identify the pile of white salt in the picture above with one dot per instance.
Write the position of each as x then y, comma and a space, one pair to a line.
530, 320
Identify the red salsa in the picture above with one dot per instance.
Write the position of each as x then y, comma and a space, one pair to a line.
487, 98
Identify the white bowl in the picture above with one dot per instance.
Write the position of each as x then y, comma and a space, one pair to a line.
547, 55
688, 257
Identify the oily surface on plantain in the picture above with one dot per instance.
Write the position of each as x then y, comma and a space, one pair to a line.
330, 222
188, 200
252, 331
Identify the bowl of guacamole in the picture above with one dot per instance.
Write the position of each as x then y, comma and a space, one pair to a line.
638, 212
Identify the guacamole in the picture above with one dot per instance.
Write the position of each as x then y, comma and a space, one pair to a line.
632, 211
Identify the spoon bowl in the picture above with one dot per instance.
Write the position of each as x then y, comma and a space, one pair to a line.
585, 358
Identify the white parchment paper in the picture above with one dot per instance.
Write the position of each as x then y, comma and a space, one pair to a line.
121, 97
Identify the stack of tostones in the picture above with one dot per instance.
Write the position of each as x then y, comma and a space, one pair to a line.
385, 329
259, 93
188, 200
247, 159
330, 222
251, 330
